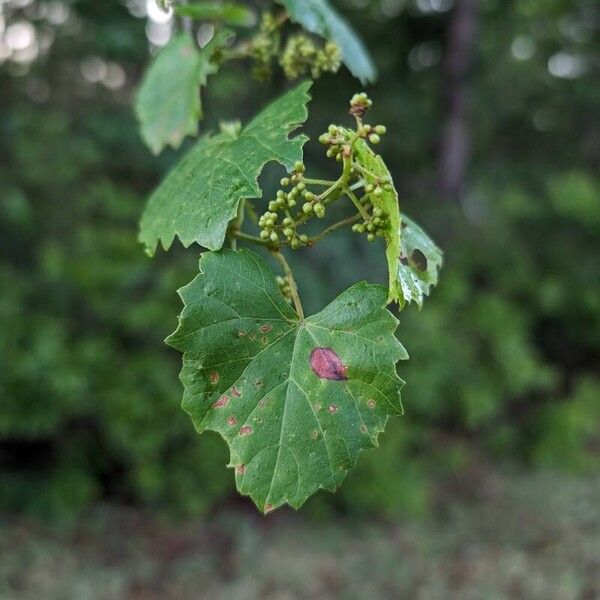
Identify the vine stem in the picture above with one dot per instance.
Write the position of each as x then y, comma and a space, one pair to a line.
290, 276
356, 202
331, 228
253, 239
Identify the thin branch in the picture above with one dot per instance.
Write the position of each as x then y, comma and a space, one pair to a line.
331, 228
361, 209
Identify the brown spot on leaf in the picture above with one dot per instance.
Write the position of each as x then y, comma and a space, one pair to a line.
363, 428
231, 421
221, 402
404, 260
246, 430
264, 340
241, 333
326, 364
214, 377
419, 259
315, 435
235, 392
266, 328
268, 508
241, 469
371, 403
332, 408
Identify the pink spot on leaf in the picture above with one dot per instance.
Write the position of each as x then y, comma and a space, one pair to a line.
241, 469
235, 392
332, 408
327, 364
371, 403
221, 402
214, 377
266, 328
246, 430
231, 421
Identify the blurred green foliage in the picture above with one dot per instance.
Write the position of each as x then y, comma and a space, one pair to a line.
504, 357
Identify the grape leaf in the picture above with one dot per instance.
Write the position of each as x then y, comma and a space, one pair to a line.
296, 401
230, 12
201, 194
318, 17
419, 262
375, 172
168, 104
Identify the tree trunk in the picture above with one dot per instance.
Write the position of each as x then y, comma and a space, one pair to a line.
455, 145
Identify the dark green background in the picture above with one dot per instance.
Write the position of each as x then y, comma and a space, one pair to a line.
504, 356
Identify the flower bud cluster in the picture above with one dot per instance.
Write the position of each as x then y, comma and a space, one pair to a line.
264, 48
301, 55
376, 226
359, 105
284, 201
338, 139
285, 287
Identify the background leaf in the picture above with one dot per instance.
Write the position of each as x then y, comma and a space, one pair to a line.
168, 103
230, 13
296, 401
201, 194
318, 17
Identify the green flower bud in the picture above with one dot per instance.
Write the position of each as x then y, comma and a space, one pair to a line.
264, 234
378, 212
303, 238
274, 237
370, 227
299, 166
291, 202
301, 186
295, 244
370, 237
287, 222
272, 205
380, 129
309, 196
288, 232
374, 138
369, 188
307, 208
285, 182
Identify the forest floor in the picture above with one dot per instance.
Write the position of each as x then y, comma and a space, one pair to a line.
526, 536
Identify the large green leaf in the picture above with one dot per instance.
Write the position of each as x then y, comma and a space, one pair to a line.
318, 17
296, 401
418, 264
376, 173
201, 194
168, 103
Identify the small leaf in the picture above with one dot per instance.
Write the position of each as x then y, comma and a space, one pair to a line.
201, 194
318, 17
168, 103
419, 263
388, 202
230, 13
296, 401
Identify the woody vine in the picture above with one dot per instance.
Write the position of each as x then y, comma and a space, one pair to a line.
296, 397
